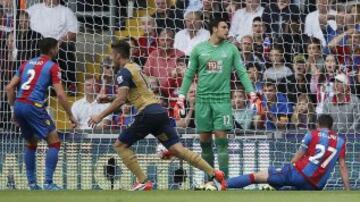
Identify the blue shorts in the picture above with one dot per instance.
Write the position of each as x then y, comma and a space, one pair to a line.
33, 120
152, 120
287, 177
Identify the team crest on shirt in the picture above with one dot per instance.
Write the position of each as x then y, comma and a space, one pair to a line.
119, 79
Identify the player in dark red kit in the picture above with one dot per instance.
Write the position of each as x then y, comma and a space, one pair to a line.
32, 81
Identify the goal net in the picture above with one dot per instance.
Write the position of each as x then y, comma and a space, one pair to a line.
295, 54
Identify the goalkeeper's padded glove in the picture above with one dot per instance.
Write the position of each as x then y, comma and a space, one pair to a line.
181, 104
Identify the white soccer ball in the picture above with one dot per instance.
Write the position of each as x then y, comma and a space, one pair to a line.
163, 153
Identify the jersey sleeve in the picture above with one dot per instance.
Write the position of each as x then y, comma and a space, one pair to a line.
55, 74
190, 72
124, 78
20, 70
305, 142
241, 71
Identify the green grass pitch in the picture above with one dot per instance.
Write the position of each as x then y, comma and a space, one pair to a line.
179, 196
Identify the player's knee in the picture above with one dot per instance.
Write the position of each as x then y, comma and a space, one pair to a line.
55, 145
177, 149
118, 146
31, 146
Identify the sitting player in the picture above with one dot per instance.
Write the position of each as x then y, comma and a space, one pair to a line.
310, 167
151, 118
32, 81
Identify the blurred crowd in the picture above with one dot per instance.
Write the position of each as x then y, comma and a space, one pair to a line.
303, 57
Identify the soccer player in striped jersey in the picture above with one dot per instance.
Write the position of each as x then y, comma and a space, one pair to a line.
32, 81
310, 167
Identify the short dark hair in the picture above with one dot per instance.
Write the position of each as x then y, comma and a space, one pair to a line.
313, 40
325, 121
253, 64
122, 47
215, 23
257, 19
47, 44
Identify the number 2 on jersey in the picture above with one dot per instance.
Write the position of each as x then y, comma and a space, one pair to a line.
31, 76
320, 153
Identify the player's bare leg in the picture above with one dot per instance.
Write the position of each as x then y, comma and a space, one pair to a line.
221, 143
195, 160
206, 144
30, 162
129, 159
52, 157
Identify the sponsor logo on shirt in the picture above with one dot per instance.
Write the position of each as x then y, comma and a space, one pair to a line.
119, 79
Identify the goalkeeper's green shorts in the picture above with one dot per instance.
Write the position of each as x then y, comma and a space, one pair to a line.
213, 117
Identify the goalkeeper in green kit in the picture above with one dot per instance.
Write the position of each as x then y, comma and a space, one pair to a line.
213, 62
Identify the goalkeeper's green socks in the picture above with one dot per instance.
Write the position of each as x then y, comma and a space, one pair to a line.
223, 155
207, 153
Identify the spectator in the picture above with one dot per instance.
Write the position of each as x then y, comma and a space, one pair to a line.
293, 39
355, 11
343, 20
343, 107
242, 112
107, 78
162, 61
53, 20
247, 53
192, 35
135, 51
253, 70
355, 87
279, 70
322, 82
147, 42
88, 106
6, 72
278, 109
261, 40
174, 81
315, 60
316, 21
243, 19
188, 121
213, 9
166, 18
299, 82
304, 115
276, 15
26, 40
346, 47
6, 20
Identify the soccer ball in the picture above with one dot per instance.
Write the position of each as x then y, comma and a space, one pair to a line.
163, 153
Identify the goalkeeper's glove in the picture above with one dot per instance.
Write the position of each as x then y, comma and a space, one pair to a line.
181, 104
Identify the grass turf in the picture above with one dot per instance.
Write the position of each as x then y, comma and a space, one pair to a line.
179, 196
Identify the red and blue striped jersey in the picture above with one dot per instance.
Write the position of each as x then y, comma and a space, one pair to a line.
322, 149
36, 76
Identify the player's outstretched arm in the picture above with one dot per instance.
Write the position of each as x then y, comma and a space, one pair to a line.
60, 93
344, 173
10, 90
115, 105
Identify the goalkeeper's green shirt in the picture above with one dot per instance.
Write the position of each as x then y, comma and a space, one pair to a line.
214, 64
